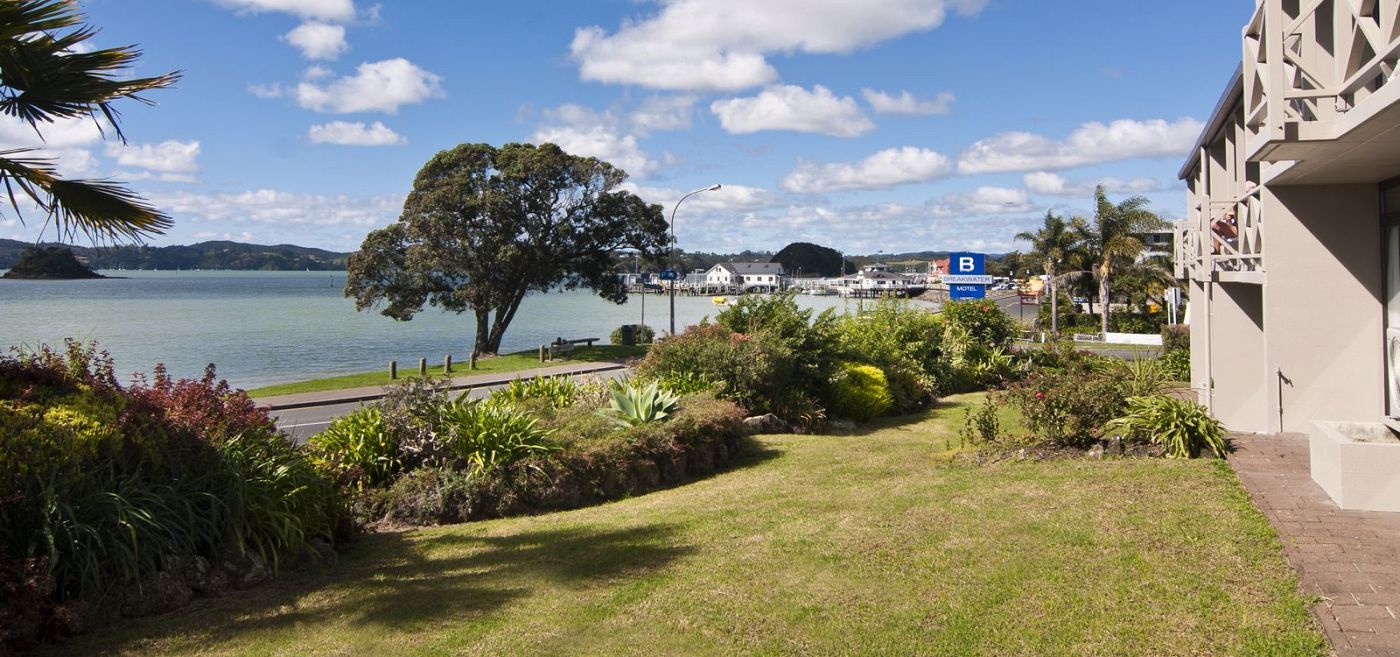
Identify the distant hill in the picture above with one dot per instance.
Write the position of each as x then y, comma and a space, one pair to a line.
204, 255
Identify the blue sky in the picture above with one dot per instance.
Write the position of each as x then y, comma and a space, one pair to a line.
893, 125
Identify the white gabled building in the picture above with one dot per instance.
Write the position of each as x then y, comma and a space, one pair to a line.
745, 274
879, 277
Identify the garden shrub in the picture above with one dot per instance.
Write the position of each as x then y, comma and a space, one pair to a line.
901, 339
558, 391
1183, 428
484, 434
1070, 408
358, 449
1176, 337
430, 496
641, 334
103, 486
984, 322
859, 392
758, 372
704, 435
1142, 376
982, 426
1177, 364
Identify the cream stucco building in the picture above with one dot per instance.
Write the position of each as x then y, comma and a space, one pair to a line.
1295, 319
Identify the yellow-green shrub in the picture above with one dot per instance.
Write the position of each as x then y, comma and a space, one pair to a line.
859, 392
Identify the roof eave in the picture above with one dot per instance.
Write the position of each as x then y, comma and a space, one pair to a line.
1233, 91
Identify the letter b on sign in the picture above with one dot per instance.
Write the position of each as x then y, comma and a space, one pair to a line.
967, 264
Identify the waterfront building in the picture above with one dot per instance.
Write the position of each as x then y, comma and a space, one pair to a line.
745, 275
1291, 244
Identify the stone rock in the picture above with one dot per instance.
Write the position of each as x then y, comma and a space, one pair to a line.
1139, 450
245, 570
1095, 452
1115, 445
197, 574
766, 423
157, 594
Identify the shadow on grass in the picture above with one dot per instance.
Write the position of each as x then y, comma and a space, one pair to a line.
400, 583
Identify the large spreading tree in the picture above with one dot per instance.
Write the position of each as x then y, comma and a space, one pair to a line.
49, 73
486, 226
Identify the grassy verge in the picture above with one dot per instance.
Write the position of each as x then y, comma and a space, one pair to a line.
508, 363
868, 544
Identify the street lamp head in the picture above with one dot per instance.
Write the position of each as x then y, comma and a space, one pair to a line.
715, 187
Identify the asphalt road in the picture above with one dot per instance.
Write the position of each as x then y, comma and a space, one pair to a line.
302, 423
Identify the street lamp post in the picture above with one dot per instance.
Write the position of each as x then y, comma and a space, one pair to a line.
711, 188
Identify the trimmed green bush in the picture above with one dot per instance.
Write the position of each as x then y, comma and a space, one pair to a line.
1176, 337
859, 392
904, 341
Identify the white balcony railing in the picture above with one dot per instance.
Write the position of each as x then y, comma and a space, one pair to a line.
1203, 254
1307, 62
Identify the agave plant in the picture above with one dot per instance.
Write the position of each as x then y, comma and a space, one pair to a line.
1182, 427
634, 404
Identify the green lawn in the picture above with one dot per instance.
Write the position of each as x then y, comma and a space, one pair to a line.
869, 544
508, 363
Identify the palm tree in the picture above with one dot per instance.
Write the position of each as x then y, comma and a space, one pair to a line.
48, 74
1057, 242
1112, 239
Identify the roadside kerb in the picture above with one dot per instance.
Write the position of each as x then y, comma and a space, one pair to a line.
370, 393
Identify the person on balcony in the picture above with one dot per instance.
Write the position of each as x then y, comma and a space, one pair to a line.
1226, 230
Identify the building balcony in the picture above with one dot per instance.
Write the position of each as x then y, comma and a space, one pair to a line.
1316, 76
1202, 255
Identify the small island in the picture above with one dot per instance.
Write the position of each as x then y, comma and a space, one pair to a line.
50, 263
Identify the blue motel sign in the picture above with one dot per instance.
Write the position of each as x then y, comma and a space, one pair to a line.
967, 276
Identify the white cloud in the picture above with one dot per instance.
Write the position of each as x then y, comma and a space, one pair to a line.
279, 208
326, 10
1053, 184
270, 90
348, 133
590, 133
316, 72
984, 201
722, 45
882, 170
729, 199
318, 40
381, 86
170, 160
906, 103
1091, 143
15, 133
664, 113
790, 107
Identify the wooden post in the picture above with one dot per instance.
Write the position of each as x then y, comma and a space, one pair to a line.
393, 369
542, 353
471, 364
447, 364
422, 367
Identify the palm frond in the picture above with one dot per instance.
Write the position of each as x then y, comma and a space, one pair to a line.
99, 209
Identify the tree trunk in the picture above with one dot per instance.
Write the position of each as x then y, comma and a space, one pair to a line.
483, 332
1103, 298
1054, 300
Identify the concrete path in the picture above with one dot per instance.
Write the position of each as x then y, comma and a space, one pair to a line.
304, 414
1349, 559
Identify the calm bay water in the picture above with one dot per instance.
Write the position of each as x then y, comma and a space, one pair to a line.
261, 328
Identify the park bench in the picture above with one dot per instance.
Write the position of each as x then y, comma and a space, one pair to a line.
562, 347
